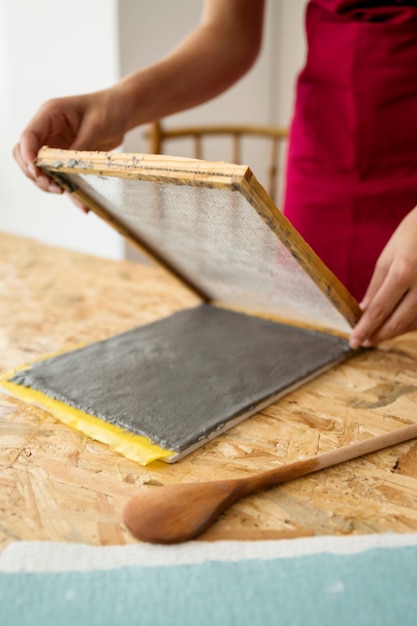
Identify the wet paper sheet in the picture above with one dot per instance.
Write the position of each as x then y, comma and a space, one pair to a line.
164, 389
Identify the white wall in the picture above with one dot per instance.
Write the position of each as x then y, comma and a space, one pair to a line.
265, 95
289, 54
50, 48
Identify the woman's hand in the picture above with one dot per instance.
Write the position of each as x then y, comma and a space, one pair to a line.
86, 122
390, 303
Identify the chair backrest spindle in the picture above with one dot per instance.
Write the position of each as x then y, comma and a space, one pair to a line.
159, 135
198, 148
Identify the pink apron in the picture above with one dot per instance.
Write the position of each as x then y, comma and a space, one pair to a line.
352, 162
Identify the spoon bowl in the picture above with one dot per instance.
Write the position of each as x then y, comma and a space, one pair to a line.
177, 513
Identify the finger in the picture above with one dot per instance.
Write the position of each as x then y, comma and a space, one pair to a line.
22, 164
403, 319
32, 139
90, 127
378, 277
30, 144
90, 134
378, 310
25, 153
35, 174
35, 135
84, 139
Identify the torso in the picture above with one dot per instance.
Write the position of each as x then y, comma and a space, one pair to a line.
352, 168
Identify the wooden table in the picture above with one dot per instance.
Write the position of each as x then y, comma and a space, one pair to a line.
56, 484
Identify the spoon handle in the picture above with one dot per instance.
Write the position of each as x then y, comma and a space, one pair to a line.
294, 470
181, 512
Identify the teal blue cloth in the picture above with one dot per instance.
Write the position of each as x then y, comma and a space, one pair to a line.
376, 587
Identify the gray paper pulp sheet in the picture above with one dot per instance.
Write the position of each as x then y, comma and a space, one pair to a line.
182, 378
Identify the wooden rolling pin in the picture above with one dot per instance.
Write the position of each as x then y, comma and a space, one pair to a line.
181, 512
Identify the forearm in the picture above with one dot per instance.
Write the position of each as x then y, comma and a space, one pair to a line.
213, 57
216, 54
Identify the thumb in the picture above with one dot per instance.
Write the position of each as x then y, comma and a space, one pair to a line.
84, 139
378, 277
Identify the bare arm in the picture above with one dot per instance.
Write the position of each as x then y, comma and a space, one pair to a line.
210, 59
214, 56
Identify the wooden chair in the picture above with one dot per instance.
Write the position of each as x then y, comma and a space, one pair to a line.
273, 136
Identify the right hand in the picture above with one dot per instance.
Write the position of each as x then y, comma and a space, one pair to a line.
92, 121
390, 303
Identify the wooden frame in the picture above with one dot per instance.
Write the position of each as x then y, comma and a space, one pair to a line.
64, 166
168, 189
159, 137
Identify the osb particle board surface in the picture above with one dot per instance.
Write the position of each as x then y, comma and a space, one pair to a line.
58, 485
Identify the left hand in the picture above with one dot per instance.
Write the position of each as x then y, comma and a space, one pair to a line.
93, 121
390, 303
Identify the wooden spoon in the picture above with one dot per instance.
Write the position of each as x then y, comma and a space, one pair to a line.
181, 512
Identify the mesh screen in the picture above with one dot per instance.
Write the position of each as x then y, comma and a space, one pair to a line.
216, 239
